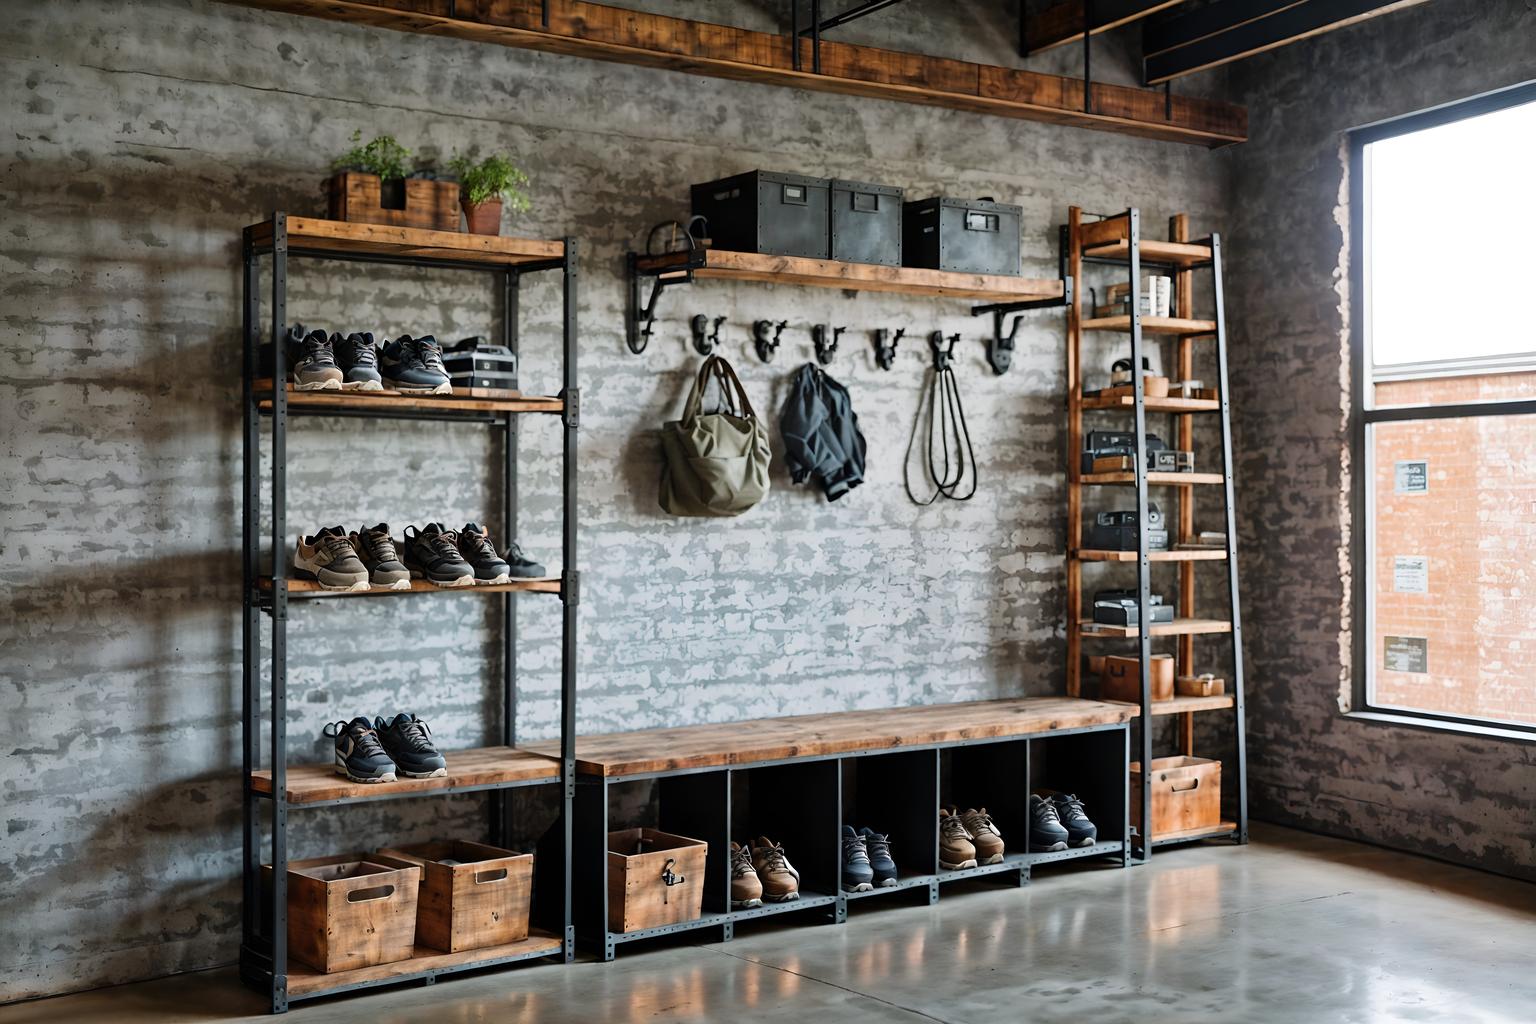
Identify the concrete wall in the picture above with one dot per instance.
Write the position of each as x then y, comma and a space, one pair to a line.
1461, 798
143, 135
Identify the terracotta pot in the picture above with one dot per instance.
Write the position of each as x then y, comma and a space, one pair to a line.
483, 218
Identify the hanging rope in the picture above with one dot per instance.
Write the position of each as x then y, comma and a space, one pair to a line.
946, 423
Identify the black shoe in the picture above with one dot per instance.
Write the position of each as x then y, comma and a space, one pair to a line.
409, 742
880, 861
475, 546
432, 554
414, 366
376, 548
359, 755
1080, 831
1045, 832
358, 360
858, 876
313, 362
523, 567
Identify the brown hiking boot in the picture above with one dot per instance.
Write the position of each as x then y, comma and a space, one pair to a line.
746, 890
780, 881
955, 849
984, 836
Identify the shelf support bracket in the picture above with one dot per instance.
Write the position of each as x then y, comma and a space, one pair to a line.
1001, 344
641, 319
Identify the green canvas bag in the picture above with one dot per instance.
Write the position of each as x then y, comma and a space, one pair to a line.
714, 464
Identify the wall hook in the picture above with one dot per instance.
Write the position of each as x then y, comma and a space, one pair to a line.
705, 340
826, 347
1000, 345
943, 348
767, 346
885, 346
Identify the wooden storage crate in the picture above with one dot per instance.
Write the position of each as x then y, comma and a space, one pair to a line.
654, 878
472, 895
1121, 678
359, 198
1199, 686
1186, 795
346, 912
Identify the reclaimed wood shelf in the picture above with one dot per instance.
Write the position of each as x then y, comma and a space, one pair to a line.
1178, 627
1154, 478
1171, 405
1183, 705
393, 401
1176, 555
1181, 326
479, 768
315, 236
309, 589
1226, 828
306, 981
721, 264
771, 739
1182, 255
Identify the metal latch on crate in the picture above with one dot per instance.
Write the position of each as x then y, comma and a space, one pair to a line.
669, 878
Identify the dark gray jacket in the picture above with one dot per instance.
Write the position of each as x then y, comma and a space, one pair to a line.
821, 433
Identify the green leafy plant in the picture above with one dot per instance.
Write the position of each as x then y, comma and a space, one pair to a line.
495, 177
383, 156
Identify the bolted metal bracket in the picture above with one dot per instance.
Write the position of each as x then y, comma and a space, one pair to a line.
570, 587
570, 412
885, 346
766, 346
640, 319
1000, 345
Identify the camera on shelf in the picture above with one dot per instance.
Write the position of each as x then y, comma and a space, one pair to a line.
1114, 451
1118, 608
1116, 531
475, 363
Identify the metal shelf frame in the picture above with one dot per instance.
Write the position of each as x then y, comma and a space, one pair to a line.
264, 948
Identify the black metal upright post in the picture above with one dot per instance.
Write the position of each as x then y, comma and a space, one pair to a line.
570, 583
250, 615
501, 803
1143, 556
279, 894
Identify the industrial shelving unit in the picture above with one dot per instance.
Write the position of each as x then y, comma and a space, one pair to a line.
264, 958
1118, 241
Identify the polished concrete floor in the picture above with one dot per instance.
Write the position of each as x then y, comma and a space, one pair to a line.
1293, 927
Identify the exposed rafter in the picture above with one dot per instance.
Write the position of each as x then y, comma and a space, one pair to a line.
1064, 22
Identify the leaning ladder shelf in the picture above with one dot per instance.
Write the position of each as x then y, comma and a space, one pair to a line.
1117, 241
264, 957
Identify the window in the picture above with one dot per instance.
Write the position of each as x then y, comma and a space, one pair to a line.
1443, 230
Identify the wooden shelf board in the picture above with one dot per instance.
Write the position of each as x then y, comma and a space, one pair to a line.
1152, 325
306, 981
348, 238
388, 401
1155, 479
308, 589
1178, 627
1179, 254
482, 766
721, 264
1183, 705
1102, 555
771, 739
1173, 405
1226, 828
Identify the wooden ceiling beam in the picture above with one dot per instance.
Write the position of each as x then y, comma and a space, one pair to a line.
1063, 23
600, 32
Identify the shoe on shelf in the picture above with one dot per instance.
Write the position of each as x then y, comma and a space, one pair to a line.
414, 366
313, 362
781, 882
358, 360
376, 549
858, 876
984, 836
746, 889
955, 848
475, 545
359, 754
408, 742
432, 554
1080, 831
1046, 834
523, 567
328, 559
879, 847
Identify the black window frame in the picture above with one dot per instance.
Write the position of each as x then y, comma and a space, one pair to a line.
1363, 416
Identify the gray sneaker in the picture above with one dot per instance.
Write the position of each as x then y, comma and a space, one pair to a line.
858, 876
1046, 834
328, 558
432, 554
376, 548
414, 366
314, 363
359, 361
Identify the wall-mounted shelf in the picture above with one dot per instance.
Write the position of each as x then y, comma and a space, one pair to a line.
381, 243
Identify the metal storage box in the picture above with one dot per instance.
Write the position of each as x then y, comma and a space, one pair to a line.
975, 236
866, 223
766, 212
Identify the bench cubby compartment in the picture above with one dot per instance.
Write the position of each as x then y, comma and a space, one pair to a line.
896, 794
1075, 764
797, 806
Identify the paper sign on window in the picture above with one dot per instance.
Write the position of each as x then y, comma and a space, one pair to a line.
1411, 476
1406, 654
1410, 574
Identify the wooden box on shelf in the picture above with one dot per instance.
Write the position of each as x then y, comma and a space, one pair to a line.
654, 878
359, 198
347, 912
1121, 678
1186, 795
1200, 686
471, 896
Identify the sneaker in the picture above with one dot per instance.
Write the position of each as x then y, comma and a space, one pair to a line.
359, 361
523, 567
376, 548
1045, 832
359, 755
432, 554
1080, 831
313, 362
781, 882
880, 861
414, 366
408, 741
475, 546
746, 889
328, 558
858, 876
955, 849
984, 836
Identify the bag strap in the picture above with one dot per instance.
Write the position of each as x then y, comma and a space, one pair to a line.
726, 371
696, 396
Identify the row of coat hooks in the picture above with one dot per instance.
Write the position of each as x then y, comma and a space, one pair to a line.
767, 335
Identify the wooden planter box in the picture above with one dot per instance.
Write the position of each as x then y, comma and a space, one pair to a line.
471, 896
429, 204
1186, 795
347, 912
638, 894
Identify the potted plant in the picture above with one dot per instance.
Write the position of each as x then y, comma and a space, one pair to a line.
371, 185
484, 187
